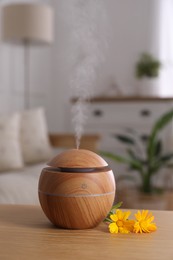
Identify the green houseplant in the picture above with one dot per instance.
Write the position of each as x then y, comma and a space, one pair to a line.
147, 73
147, 66
154, 159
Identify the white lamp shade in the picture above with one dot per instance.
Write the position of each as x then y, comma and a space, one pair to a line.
27, 22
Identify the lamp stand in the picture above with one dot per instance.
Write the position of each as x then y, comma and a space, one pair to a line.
29, 23
26, 93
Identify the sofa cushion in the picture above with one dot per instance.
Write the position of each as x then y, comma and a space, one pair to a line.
10, 150
34, 136
20, 187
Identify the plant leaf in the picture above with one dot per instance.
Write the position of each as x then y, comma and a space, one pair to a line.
158, 148
136, 164
155, 167
114, 157
162, 162
158, 126
112, 211
131, 153
107, 220
166, 157
125, 139
118, 205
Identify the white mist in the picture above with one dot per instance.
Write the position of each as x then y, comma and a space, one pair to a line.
86, 19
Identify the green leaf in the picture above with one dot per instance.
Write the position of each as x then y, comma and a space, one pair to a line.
147, 66
158, 148
131, 153
158, 126
156, 167
114, 157
107, 220
118, 205
166, 157
125, 139
112, 211
136, 164
162, 162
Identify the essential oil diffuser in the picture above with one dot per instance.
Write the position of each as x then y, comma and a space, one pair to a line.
77, 190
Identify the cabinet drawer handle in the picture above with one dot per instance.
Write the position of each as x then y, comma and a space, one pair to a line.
145, 112
98, 113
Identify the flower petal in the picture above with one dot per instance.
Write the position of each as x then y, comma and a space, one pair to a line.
123, 230
113, 228
138, 215
137, 228
114, 217
144, 222
129, 225
126, 215
119, 214
152, 227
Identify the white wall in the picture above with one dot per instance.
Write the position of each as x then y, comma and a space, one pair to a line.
12, 74
130, 34
130, 31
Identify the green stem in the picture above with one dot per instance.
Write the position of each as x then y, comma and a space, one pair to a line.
147, 186
107, 220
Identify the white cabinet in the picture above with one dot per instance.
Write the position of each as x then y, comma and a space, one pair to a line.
111, 117
115, 116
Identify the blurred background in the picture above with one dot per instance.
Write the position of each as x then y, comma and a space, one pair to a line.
54, 51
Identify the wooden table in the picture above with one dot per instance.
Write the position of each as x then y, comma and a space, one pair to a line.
25, 233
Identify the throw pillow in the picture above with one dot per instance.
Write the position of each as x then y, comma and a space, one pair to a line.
34, 136
10, 150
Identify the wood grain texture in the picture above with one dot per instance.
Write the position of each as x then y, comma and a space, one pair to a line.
71, 184
77, 158
76, 200
73, 199
25, 233
76, 212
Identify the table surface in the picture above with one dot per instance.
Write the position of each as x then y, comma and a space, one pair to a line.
25, 233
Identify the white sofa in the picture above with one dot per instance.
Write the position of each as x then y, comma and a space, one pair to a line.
21, 186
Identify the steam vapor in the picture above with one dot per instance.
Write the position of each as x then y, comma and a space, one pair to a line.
87, 20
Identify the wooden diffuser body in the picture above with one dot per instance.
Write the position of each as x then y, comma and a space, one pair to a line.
77, 190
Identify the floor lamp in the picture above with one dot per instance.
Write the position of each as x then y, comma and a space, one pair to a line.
28, 23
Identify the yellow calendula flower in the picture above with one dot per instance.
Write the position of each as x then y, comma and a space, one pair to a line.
120, 222
144, 222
